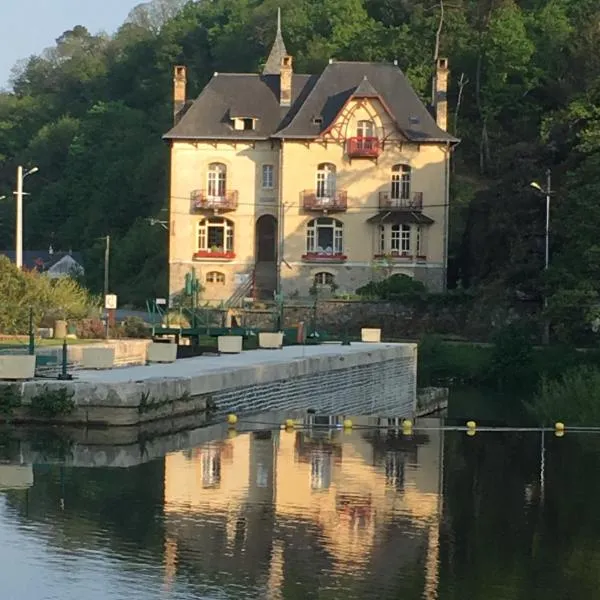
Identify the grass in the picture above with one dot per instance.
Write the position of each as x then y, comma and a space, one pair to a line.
24, 341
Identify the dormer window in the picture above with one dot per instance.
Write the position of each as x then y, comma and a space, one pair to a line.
244, 123
365, 129
317, 121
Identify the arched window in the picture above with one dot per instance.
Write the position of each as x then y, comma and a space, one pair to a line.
217, 180
325, 235
400, 182
324, 278
215, 234
365, 129
325, 180
215, 277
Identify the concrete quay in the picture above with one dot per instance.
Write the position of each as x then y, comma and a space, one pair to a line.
360, 379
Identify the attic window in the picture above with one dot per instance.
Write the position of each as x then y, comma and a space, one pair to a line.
244, 123
317, 121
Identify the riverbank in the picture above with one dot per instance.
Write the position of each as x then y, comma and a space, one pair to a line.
360, 379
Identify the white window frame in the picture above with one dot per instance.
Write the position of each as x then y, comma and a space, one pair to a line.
215, 277
323, 278
215, 222
216, 181
365, 129
405, 238
268, 177
401, 182
326, 181
398, 239
312, 235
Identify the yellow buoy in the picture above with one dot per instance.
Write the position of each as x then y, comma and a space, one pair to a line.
347, 424
289, 423
471, 425
559, 426
471, 432
232, 419
407, 423
559, 434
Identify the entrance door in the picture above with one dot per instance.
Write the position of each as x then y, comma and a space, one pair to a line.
266, 239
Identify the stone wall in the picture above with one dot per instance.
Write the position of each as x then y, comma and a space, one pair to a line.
396, 320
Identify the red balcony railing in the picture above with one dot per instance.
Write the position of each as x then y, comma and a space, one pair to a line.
387, 201
363, 147
335, 202
203, 200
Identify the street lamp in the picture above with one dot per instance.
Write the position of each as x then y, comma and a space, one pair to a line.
19, 242
547, 192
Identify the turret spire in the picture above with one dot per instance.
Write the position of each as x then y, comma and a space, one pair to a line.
278, 51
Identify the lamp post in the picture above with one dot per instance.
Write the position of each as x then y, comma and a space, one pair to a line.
21, 174
547, 192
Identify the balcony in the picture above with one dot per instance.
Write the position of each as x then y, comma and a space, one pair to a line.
363, 147
336, 201
413, 202
225, 202
324, 257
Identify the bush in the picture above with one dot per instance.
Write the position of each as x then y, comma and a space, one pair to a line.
396, 287
49, 299
134, 327
90, 329
574, 398
511, 365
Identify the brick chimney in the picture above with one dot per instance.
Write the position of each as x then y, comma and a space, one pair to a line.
441, 93
285, 81
179, 92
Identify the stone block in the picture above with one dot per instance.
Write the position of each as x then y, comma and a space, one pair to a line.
17, 367
372, 336
98, 358
230, 344
270, 340
162, 353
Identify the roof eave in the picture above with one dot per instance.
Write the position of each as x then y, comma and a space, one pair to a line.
191, 138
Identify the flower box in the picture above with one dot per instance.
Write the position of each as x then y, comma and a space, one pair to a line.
324, 257
17, 367
161, 353
392, 256
421, 258
270, 340
214, 254
230, 344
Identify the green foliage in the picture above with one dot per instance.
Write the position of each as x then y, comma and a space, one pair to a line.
396, 287
574, 398
53, 402
10, 398
512, 357
134, 327
21, 291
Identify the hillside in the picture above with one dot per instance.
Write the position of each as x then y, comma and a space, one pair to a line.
525, 96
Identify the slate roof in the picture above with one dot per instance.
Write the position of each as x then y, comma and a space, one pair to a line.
278, 51
41, 260
229, 95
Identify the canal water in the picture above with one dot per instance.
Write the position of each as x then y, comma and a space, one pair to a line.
314, 513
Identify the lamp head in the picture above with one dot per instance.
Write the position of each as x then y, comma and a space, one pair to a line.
536, 186
32, 171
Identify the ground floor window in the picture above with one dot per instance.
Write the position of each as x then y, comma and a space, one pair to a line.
325, 235
215, 277
324, 278
401, 239
215, 234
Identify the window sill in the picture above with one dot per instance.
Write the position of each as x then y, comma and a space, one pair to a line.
208, 255
322, 257
395, 256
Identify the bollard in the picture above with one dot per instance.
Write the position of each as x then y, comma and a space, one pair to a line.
63, 375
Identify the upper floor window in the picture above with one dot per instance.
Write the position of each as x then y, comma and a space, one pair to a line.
215, 277
325, 180
215, 234
268, 177
325, 235
365, 129
324, 278
217, 180
401, 182
398, 239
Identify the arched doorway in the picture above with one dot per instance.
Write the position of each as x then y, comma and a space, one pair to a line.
265, 273
266, 239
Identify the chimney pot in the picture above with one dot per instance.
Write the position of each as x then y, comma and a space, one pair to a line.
285, 81
179, 91
441, 93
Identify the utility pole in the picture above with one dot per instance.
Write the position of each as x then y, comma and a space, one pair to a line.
106, 268
19, 233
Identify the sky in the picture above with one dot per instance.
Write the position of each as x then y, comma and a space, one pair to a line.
29, 26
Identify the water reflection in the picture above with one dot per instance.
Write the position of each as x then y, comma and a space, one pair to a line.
316, 513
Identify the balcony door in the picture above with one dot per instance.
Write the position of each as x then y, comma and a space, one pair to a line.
326, 181
365, 129
217, 181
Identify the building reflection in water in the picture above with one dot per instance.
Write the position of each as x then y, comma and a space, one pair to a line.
268, 505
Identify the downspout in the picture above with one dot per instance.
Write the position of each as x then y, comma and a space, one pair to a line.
446, 215
280, 215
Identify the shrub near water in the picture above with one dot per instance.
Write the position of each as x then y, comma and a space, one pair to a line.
574, 398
